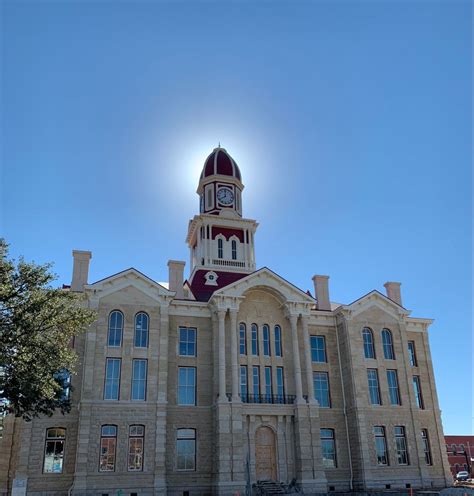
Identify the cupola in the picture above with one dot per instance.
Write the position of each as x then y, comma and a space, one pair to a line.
220, 185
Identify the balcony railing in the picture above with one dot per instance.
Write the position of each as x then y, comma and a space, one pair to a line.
228, 263
276, 399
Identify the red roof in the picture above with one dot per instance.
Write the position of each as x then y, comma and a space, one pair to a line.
203, 292
220, 162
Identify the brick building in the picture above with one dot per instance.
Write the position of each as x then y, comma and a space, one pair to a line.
233, 375
460, 453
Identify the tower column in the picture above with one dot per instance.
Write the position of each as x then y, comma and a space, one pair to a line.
221, 326
309, 364
234, 353
293, 318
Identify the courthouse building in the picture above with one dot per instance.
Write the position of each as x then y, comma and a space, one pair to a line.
210, 383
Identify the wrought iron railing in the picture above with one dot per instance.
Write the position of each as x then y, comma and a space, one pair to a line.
276, 399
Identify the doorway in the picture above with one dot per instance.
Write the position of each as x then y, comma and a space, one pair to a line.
265, 454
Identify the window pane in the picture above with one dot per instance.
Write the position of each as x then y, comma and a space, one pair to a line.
243, 382
368, 337
328, 448
243, 339
135, 454
256, 382
266, 340
412, 353
141, 330
280, 384
186, 386
417, 389
394, 393
139, 377
187, 341
374, 391
115, 329
112, 379
318, 349
380, 445
54, 452
387, 343
186, 449
268, 383
278, 347
321, 389
254, 340
401, 445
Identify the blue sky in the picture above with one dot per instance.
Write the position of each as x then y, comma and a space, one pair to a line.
351, 123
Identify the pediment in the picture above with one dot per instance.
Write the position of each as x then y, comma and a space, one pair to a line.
134, 282
375, 306
266, 280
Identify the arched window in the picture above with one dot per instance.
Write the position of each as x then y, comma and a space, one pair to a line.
266, 340
254, 340
234, 249
368, 337
387, 343
115, 328
54, 450
220, 248
141, 330
242, 339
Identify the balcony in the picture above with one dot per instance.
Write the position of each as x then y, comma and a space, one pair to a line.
274, 399
228, 263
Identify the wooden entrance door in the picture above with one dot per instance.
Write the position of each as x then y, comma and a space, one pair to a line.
265, 454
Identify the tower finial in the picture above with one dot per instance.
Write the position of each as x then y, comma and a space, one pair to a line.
219, 144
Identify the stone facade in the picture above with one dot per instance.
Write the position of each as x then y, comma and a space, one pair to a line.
243, 430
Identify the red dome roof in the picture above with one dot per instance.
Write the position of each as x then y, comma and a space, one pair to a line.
220, 162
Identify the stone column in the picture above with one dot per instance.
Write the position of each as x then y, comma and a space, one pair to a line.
234, 347
309, 364
221, 324
296, 357
161, 404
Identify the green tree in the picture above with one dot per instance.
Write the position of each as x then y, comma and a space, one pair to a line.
37, 325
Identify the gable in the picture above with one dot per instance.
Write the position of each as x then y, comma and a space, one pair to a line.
268, 281
374, 306
132, 282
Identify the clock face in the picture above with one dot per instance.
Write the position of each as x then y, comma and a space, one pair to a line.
225, 196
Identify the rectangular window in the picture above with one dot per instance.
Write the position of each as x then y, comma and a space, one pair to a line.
412, 353
278, 347
321, 389
139, 376
374, 389
186, 449
135, 448
318, 349
380, 445
243, 339
328, 448
54, 451
186, 385
401, 444
393, 390
243, 383
234, 249
268, 384
254, 340
266, 340
256, 383
280, 385
417, 389
108, 444
187, 341
220, 248
426, 447
112, 378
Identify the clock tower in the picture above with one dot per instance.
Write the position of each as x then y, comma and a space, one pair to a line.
220, 240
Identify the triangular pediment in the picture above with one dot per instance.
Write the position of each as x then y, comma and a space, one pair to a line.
376, 303
126, 279
268, 280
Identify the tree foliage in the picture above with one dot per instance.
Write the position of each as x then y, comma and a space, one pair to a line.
37, 325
